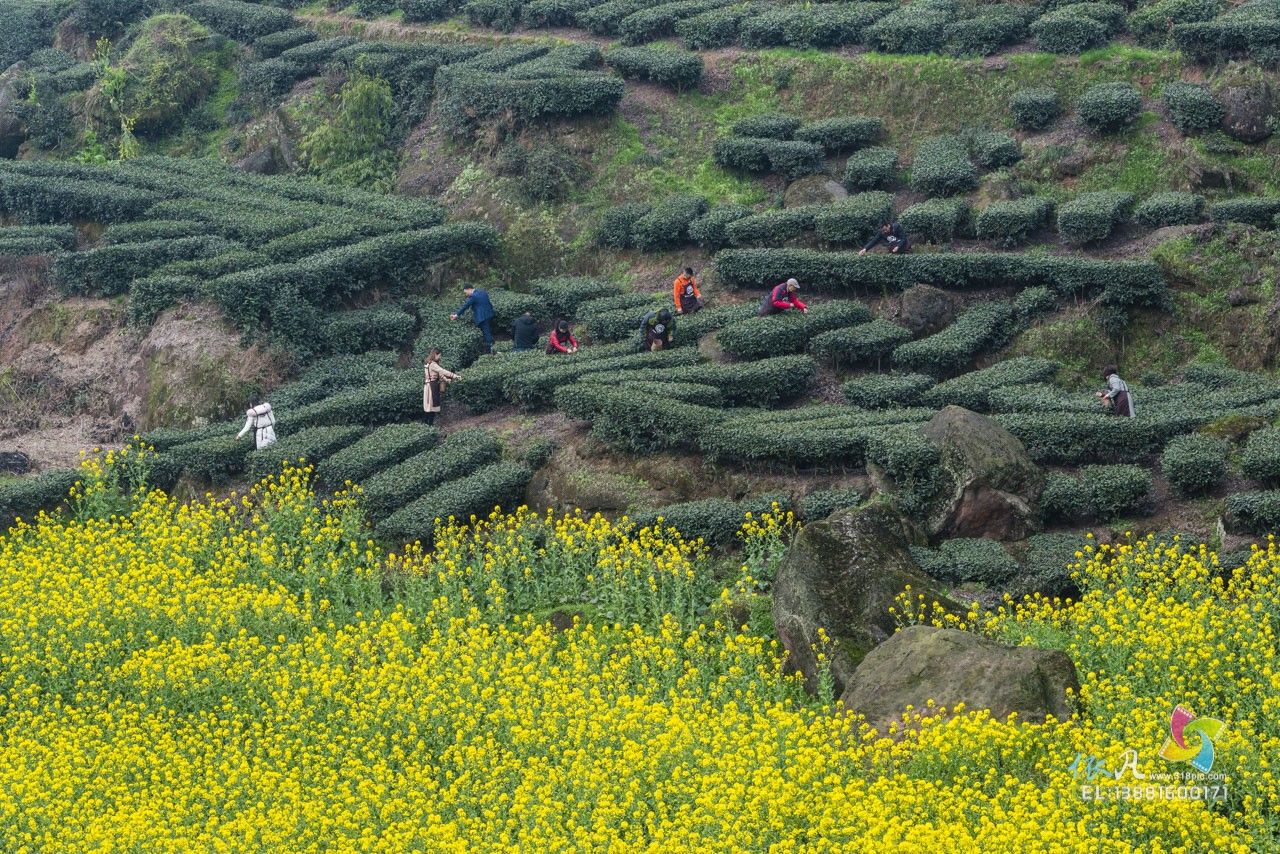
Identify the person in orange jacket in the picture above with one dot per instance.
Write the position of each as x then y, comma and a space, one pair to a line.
685, 293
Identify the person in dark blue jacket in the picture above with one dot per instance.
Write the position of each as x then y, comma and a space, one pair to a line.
481, 309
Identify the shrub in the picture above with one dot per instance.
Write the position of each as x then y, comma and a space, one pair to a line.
715, 521
909, 460
761, 337
1068, 438
820, 504
376, 328
659, 20
1194, 464
817, 435
855, 219
1116, 490
960, 561
1192, 108
614, 230
857, 344
215, 460
1045, 567
1064, 499
382, 448
971, 390
1110, 15
475, 495
455, 457
767, 126
675, 68
935, 220
772, 228
1109, 107
693, 327
764, 382
312, 445
1260, 459
1033, 302
941, 167
1258, 512
1153, 24
992, 149
1258, 212
842, 134
633, 419
1068, 31
919, 27
1035, 109
52, 198
712, 229
27, 496
274, 44
667, 224
886, 391
1090, 217
58, 236
21, 247
988, 32
791, 158
871, 169
563, 295
241, 21
1170, 208
803, 26
716, 28
1013, 222
981, 327
466, 96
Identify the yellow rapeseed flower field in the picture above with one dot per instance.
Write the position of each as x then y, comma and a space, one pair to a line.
252, 674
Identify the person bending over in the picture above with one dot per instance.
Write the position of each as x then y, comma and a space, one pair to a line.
892, 235
783, 297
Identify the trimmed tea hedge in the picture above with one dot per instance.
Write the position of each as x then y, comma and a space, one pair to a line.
859, 344
981, 327
941, 167
1170, 208
772, 228
215, 460
1013, 222
535, 388
1109, 107
508, 305
972, 390
1069, 31
312, 445
1257, 512
855, 219
455, 457
1260, 459
1035, 109
837, 135
712, 230
675, 68
1259, 212
395, 398
714, 521
886, 391
822, 503
376, 328
1194, 464
935, 220
667, 224
810, 26
871, 169
243, 22
761, 337
614, 229
791, 158
108, 270
385, 446
961, 561
1090, 217
563, 295
767, 126
635, 419
992, 29
1153, 24
476, 495
1069, 438
27, 496
825, 436
992, 149
1192, 108
919, 27
1100, 494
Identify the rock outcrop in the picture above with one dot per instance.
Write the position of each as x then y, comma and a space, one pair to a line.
1249, 111
922, 663
926, 309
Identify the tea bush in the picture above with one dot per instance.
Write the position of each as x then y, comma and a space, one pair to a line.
455, 457
842, 133
1153, 24
941, 167
384, 447
791, 158
563, 295
916, 28
971, 390
767, 126
667, 224
981, 327
1170, 208
1260, 212
761, 337
312, 444
376, 328
859, 344
935, 220
991, 149
614, 228
1109, 107
711, 230
1035, 109
1090, 217
772, 228
1192, 108
1013, 222
634, 419
1260, 459
871, 169
1194, 464
961, 561
473, 495
886, 391
1068, 31
855, 219
821, 503
675, 68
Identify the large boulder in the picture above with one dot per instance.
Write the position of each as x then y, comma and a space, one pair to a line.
926, 309
813, 190
991, 488
923, 663
1248, 111
842, 575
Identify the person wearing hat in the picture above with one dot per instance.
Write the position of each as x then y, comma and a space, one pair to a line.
1116, 398
562, 340
685, 293
657, 328
781, 298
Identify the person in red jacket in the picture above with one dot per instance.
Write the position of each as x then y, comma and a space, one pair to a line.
781, 298
562, 340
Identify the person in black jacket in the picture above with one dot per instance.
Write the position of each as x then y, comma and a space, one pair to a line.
524, 332
893, 236
657, 329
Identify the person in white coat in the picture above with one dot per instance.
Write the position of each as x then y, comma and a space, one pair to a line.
262, 421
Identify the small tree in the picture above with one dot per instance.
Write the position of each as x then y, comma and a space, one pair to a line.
356, 147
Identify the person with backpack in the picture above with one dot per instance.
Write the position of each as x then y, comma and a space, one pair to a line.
1117, 398
782, 297
685, 293
893, 236
657, 329
259, 418
562, 340
524, 332
435, 380
481, 309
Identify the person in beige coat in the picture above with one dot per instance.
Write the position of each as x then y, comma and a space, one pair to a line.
434, 380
